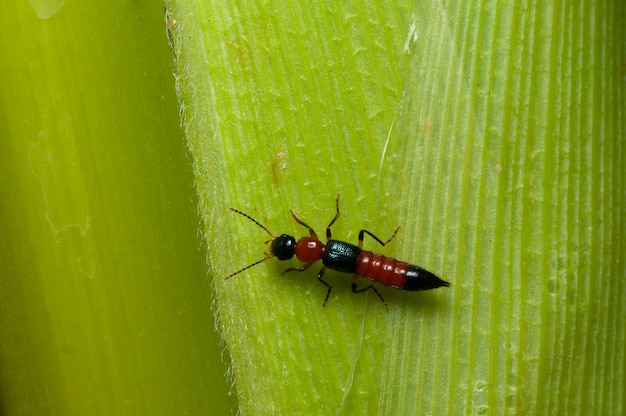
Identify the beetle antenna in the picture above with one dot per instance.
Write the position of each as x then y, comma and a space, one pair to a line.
254, 221
267, 256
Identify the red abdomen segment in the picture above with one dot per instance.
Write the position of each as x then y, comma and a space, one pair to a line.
398, 274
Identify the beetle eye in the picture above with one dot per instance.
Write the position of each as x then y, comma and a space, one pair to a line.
284, 247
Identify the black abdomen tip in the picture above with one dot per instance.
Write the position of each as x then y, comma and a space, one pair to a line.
421, 279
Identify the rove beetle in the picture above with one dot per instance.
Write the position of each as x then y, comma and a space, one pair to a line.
346, 258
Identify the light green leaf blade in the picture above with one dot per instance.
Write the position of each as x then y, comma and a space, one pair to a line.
489, 131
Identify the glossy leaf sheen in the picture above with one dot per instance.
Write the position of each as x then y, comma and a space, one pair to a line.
104, 303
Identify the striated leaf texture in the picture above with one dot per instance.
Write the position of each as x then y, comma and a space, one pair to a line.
492, 132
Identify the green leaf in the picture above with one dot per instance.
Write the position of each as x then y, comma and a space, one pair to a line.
492, 132
105, 307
